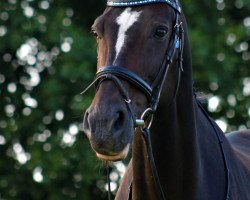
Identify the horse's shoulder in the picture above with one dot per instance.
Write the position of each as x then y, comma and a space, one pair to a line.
240, 141
239, 137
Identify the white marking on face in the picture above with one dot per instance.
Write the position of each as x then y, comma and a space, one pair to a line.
126, 19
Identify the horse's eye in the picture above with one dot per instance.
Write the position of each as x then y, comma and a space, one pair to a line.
160, 32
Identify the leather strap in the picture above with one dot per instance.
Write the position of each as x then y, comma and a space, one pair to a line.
158, 186
127, 75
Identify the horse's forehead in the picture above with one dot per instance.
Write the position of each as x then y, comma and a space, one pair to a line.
128, 17
147, 14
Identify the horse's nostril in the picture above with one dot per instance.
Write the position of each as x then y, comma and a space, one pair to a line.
86, 121
118, 121
86, 116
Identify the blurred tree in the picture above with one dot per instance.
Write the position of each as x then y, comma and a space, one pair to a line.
47, 56
220, 35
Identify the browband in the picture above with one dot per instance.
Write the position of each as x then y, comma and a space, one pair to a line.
125, 3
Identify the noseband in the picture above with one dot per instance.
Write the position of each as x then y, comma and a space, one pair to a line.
153, 91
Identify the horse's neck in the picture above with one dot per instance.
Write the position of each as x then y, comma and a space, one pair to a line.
174, 143
187, 153
185, 148
175, 147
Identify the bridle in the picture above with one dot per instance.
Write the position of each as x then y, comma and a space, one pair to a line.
153, 91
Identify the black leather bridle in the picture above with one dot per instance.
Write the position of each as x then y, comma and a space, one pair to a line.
153, 91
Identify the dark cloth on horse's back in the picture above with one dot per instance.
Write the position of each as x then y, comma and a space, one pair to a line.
239, 172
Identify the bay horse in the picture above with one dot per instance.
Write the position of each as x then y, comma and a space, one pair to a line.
144, 69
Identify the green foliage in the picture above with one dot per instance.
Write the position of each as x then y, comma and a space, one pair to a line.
47, 56
219, 36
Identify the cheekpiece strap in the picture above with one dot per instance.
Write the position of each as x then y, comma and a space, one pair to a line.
126, 3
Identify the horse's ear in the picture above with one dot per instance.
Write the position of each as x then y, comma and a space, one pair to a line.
173, 3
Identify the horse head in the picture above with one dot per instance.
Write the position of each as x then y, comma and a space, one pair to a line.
136, 46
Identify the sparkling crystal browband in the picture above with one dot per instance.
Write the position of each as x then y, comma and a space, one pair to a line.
142, 2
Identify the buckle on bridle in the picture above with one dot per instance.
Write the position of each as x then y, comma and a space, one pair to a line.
177, 25
147, 114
